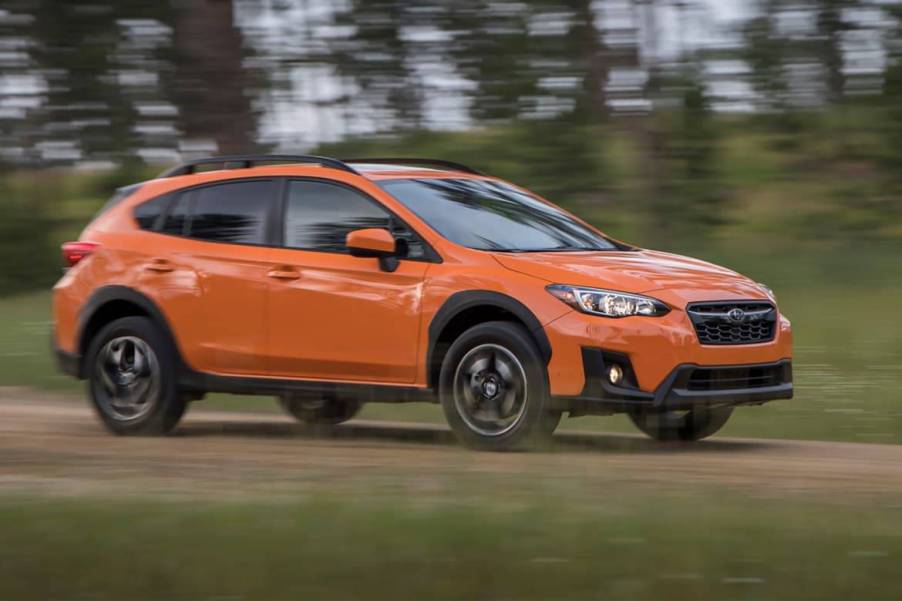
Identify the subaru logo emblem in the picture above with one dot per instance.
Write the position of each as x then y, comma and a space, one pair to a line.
736, 315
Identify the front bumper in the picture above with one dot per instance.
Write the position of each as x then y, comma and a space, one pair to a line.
655, 347
687, 386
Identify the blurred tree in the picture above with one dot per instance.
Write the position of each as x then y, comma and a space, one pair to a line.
208, 82
30, 257
693, 151
85, 113
657, 197
380, 60
892, 94
765, 50
831, 25
493, 50
585, 33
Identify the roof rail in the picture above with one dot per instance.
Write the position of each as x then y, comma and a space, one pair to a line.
250, 160
415, 161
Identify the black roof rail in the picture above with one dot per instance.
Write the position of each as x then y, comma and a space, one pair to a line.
249, 160
415, 161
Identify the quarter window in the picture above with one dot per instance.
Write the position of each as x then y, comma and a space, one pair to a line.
234, 212
319, 216
177, 218
150, 213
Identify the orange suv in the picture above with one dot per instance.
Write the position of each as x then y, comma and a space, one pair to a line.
331, 283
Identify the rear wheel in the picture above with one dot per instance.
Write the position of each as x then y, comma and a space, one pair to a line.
693, 424
494, 390
131, 378
318, 411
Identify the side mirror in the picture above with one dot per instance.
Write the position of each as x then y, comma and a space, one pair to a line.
374, 242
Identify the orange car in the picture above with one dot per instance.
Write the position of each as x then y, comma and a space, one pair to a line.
331, 283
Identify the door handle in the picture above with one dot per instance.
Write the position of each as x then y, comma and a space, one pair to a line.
159, 266
284, 273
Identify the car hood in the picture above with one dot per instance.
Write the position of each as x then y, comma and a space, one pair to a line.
675, 278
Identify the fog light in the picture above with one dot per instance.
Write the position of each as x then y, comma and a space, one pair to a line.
615, 374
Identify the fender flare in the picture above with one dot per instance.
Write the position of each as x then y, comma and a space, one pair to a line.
107, 294
459, 302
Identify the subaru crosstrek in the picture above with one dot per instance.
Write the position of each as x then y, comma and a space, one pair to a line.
329, 283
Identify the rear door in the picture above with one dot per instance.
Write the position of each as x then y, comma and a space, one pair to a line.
228, 230
211, 274
337, 317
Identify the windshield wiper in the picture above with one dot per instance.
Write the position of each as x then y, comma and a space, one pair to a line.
550, 250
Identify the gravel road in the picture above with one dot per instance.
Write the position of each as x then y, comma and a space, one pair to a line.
55, 446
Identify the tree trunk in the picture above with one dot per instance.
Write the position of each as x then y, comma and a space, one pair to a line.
209, 86
596, 67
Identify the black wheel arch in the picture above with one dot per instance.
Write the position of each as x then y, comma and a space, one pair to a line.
463, 310
113, 302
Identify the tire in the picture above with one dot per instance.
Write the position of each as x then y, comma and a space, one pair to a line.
132, 384
493, 389
318, 411
550, 422
695, 424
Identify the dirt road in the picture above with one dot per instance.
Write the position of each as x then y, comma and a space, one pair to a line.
56, 447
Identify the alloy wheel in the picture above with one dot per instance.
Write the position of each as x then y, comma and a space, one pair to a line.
490, 391
128, 377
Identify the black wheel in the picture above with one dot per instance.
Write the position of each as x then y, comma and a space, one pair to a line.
318, 411
493, 388
693, 424
131, 378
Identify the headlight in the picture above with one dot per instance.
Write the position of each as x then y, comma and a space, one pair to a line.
767, 291
608, 303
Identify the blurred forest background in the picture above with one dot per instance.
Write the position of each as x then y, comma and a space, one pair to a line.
765, 135
673, 123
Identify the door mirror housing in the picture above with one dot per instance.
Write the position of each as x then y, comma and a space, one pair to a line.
374, 242
371, 242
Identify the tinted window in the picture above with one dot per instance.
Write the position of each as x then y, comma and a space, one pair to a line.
177, 217
491, 215
233, 212
149, 214
318, 216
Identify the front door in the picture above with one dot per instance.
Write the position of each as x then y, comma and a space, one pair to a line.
337, 317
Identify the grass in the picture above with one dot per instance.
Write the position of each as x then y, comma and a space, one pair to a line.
848, 363
669, 546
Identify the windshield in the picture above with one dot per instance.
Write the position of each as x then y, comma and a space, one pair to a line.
492, 215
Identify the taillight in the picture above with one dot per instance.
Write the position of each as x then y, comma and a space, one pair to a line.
73, 252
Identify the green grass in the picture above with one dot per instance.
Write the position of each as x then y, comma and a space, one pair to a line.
697, 546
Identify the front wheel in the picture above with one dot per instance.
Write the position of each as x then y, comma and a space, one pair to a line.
690, 425
494, 390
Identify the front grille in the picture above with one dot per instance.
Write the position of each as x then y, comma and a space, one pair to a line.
734, 378
733, 322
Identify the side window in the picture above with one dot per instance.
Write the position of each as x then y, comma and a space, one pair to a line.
233, 212
177, 217
318, 216
149, 214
